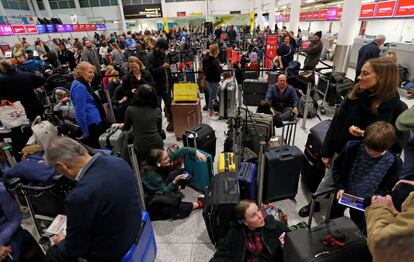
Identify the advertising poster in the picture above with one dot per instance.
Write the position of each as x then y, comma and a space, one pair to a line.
271, 49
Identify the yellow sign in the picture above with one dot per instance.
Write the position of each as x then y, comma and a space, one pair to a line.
184, 92
252, 21
195, 14
165, 20
221, 20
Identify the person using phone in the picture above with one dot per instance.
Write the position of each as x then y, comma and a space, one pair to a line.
164, 201
364, 168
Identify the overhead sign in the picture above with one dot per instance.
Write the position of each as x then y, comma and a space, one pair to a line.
6, 30
385, 9
41, 29
68, 28
339, 13
367, 10
331, 14
252, 27
60, 28
142, 11
19, 29
31, 29
322, 14
223, 19
51, 28
405, 8
181, 13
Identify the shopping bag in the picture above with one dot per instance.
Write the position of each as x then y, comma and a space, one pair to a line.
12, 114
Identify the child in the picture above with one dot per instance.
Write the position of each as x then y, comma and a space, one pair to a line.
114, 82
108, 71
366, 168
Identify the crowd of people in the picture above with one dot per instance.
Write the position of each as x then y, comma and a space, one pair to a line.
361, 150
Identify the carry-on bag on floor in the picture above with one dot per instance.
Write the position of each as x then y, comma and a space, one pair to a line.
222, 196
226, 162
282, 170
113, 138
336, 240
202, 137
200, 171
313, 169
247, 175
185, 116
253, 91
227, 98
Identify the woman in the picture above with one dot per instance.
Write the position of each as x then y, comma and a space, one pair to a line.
40, 47
374, 98
136, 76
212, 71
161, 187
66, 57
103, 52
285, 53
117, 58
253, 237
88, 107
145, 118
78, 51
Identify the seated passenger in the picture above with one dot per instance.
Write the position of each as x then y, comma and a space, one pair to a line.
283, 99
103, 212
253, 237
161, 185
364, 168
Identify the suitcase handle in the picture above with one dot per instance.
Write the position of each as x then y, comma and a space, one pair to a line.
227, 186
330, 191
286, 155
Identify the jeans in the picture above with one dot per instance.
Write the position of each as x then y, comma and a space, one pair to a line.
166, 96
286, 114
408, 166
213, 89
327, 180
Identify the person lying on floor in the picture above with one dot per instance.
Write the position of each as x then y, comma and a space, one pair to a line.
252, 237
164, 200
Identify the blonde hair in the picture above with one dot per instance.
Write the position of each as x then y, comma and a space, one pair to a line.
82, 66
114, 76
214, 50
109, 68
388, 81
134, 59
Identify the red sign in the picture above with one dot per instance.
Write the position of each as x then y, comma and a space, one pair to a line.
322, 14
87, 27
76, 28
339, 13
385, 9
19, 29
271, 50
315, 15
82, 27
181, 13
286, 18
309, 15
405, 8
31, 29
302, 16
367, 10
93, 27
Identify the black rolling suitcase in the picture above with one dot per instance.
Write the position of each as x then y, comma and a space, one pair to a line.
253, 91
223, 194
202, 137
282, 170
313, 169
251, 75
227, 95
336, 240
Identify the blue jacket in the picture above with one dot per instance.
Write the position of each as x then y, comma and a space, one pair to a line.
130, 42
279, 100
366, 52
103, 212
86, 111
10, 217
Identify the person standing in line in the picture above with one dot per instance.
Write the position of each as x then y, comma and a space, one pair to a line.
368, 51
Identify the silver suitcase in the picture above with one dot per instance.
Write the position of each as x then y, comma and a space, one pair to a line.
112, 139
227, 95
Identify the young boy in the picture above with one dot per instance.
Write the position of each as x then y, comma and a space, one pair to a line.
366, 168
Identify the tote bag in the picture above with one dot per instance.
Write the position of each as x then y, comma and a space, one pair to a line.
13, 114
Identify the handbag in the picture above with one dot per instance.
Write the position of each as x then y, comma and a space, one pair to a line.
168, 198
13, 114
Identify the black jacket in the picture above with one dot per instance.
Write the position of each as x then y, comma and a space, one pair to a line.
366, 52
19, 86
212, 69
162, 78
66, 57
128, 83
358, 113
343, 165
233, 247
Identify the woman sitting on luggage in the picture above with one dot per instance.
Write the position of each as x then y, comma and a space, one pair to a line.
145, 118
136, 76
253, 237
163, 199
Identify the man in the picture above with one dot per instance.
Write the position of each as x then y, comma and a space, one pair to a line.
103, 212
90, 55
130, 42
232, 35
156, 63
283, 99
368, 51
313, 52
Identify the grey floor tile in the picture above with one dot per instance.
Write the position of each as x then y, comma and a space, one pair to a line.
168, 252
175, 231
200, 234
202, 252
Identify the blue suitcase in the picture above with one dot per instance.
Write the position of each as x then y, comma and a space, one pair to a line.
200, 171
145, 249
246, 176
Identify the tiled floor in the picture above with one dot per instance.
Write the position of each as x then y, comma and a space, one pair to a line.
186, 240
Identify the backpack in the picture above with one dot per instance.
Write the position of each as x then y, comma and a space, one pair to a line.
312, 107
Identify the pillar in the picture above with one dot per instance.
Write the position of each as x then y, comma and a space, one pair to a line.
272, 15
121, 11
78, 8
294, 16
2, 11
36, 8
260, 13
47, 8
29, 4
349, 30
251, 11
208, 18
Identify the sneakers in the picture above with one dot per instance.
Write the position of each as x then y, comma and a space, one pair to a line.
170, 127
200, 201
304, 211
205, 108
